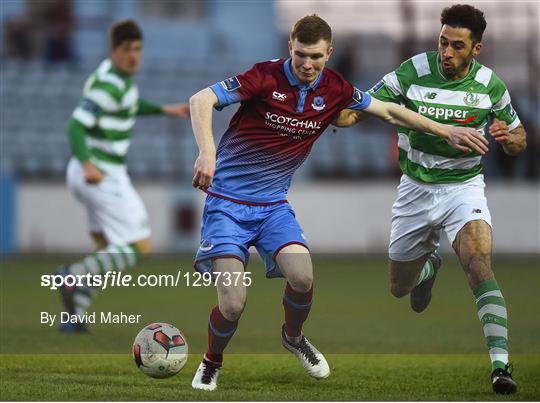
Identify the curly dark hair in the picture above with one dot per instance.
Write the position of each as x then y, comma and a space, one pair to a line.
125, 30
465, 16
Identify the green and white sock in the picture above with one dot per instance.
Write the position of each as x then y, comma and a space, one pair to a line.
492, 313
110, 258
427, 272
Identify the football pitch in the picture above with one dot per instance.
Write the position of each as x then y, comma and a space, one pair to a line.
377, 348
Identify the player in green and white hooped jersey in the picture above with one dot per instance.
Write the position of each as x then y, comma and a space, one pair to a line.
442, 188
99, 135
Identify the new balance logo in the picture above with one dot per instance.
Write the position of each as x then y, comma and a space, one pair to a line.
431, 95
278, 97
476, 210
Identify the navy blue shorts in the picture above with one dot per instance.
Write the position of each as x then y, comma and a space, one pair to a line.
229, 229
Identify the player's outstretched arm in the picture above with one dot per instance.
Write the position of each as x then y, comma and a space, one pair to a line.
513, 142
201, 105
176, 110
147, 108
349, 117
464, 139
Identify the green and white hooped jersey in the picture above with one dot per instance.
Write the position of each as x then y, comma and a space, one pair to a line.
107, 109
420, 85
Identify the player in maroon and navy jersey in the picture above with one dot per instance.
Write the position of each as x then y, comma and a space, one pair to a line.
285, 105
270, 138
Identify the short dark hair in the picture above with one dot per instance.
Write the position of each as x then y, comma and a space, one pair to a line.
465, 16
125, 30
311, 29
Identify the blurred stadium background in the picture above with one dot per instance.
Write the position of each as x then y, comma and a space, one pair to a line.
342, 195
49, 47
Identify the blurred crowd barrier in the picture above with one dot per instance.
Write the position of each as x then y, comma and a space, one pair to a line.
336, 218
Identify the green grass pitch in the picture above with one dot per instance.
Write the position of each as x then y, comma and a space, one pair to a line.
378, 349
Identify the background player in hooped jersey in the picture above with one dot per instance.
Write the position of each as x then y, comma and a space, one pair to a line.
285, 106
99, 135
443, 188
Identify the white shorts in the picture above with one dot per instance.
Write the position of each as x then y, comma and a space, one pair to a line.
113, 206
422, 210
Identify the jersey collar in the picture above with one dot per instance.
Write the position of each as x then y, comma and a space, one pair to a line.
294, 82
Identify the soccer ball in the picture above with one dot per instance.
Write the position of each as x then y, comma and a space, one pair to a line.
160, 350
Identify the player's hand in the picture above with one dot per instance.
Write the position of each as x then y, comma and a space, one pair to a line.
205, 166
176, 110
91, 173
467, 139
499, 131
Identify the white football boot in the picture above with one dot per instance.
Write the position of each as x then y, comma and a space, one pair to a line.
311, 359
206, 376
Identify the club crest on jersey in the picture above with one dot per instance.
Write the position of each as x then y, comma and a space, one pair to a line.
318, 104
278, 96
231, 84
471, 99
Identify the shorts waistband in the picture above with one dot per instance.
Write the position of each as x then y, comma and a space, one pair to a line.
478, 179
249, 203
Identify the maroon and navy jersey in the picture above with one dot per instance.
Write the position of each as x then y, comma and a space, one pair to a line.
273, 131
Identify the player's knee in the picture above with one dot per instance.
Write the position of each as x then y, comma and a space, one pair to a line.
145, 252
99, 239
476, 262
301, 282
232, 310
398, 290
143, 247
